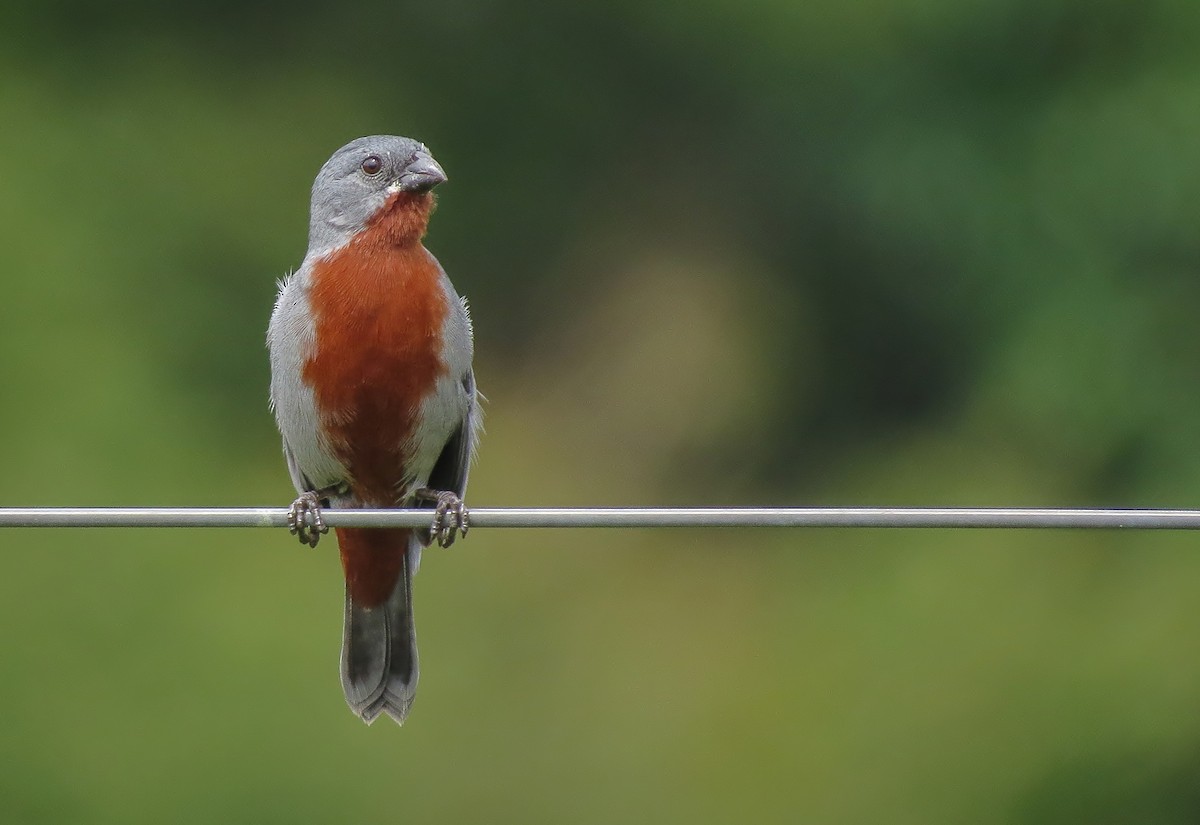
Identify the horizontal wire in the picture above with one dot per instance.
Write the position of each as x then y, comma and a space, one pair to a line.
938, 517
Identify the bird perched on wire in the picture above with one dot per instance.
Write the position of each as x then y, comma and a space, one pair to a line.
374, 394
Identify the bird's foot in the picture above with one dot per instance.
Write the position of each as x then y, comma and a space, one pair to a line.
450, 516
304, 519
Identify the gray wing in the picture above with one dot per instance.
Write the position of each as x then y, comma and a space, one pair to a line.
299, 480
453, 465
450, 471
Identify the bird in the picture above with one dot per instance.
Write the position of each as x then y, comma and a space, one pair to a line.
373, 391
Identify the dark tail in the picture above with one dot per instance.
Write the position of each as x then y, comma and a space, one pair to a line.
379, 643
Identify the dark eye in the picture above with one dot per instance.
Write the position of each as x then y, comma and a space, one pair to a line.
372, 165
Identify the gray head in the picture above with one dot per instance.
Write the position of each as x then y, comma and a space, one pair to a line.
359, 179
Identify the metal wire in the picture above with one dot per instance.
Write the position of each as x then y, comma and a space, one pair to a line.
641, 517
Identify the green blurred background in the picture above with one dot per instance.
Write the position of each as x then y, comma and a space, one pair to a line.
913, 252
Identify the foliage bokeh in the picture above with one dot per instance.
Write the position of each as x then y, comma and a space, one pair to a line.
916, 252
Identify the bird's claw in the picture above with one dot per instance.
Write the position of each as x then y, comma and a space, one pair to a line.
450, 516
304, 519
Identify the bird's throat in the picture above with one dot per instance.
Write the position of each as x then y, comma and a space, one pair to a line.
401, 221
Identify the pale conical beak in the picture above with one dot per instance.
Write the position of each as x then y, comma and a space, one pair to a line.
421, 174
